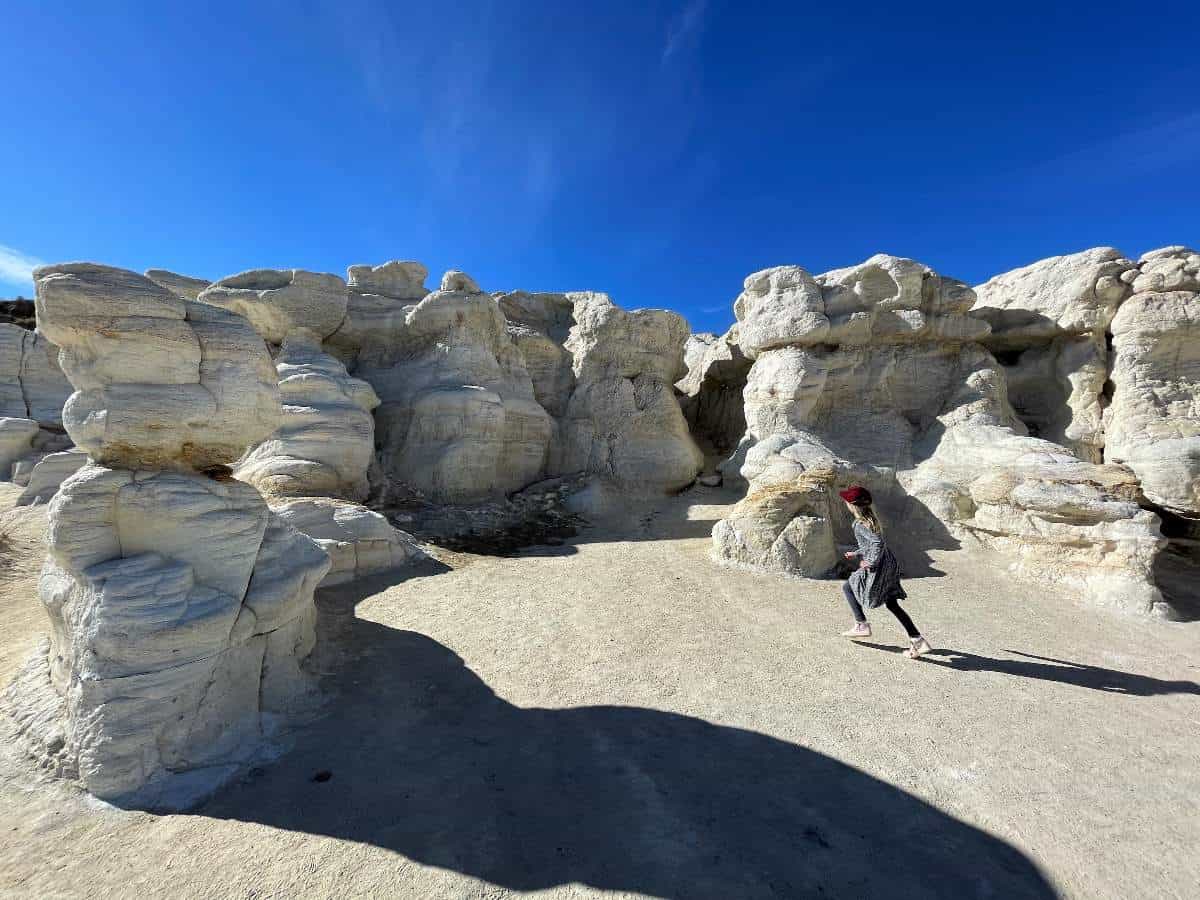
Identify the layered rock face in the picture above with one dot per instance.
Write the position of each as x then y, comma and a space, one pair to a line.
32, 384
359, 542
183, 286
325, 441
1049, 322
378, 301
539, 324
622, 421
16, 440
180, 606
325, 444
48, 474
874, 374
458, 421
283, 302
33, 390
1152, 424
483, 395
1104, 351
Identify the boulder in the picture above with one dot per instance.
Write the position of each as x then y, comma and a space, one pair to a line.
882, 381
183, 286
786, 527
180, 607
359, 542
159, 382
885, 300
283, 302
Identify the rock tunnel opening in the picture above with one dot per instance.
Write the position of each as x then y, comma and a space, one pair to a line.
711, 397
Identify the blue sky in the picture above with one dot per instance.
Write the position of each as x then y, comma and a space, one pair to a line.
659, 151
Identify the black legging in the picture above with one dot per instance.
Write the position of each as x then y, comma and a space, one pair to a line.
892, 605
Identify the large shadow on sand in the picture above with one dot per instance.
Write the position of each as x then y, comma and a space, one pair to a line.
418, 755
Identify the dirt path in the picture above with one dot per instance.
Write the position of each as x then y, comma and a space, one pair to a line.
621, 715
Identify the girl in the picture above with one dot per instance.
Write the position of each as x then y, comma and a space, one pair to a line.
877, 580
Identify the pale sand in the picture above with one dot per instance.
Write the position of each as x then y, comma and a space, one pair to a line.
622, 717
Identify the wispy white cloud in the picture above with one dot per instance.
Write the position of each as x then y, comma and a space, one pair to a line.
17, 267
1132, 154
684, 28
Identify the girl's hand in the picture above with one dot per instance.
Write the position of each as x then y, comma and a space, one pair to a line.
863, 564
850, 554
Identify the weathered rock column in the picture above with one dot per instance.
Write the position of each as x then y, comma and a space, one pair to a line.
180, 606
623, 421
319, 456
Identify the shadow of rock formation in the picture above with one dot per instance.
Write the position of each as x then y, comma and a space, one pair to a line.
420, 756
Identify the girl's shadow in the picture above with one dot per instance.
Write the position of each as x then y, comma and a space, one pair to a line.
1049, 669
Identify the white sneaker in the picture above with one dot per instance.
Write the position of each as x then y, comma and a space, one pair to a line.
860, 629
919, 647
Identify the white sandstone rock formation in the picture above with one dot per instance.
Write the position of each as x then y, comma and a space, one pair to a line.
1152, 424
1100, 356
160, 382
623, 421
874, 374
12, 350
480, 395
48, 474
458, 420
32, 386
539, 324
325, 443
378, 301
183, 286
359, 542
16, 441
32, 389
1049, 322
180, 606
283, 302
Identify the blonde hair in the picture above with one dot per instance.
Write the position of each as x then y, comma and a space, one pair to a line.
866, 515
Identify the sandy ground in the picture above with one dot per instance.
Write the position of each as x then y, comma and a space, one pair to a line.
620, 717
